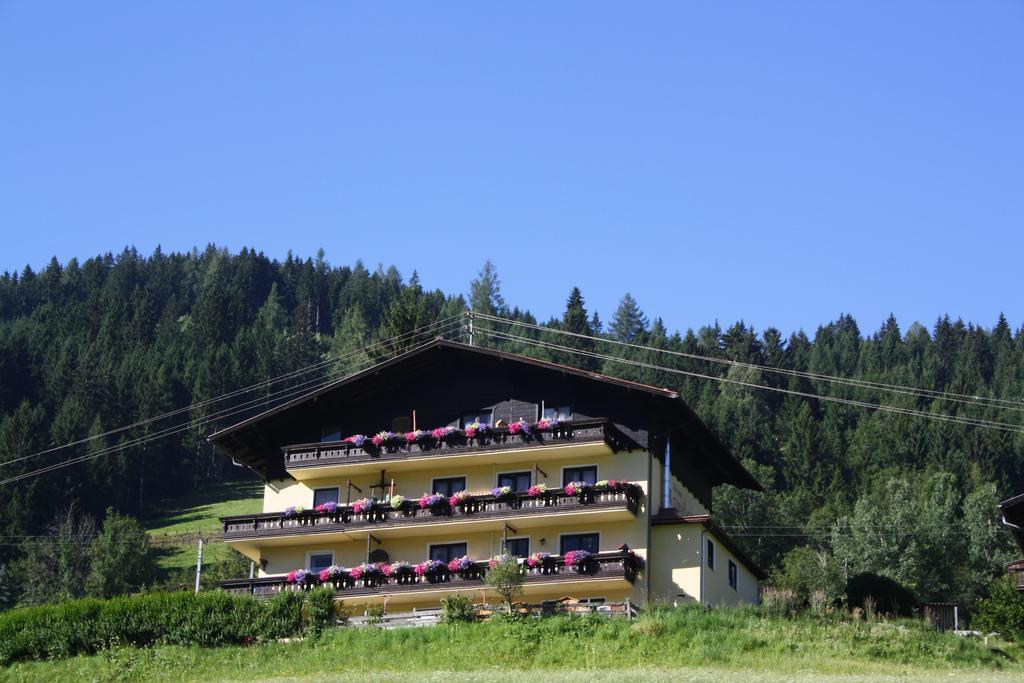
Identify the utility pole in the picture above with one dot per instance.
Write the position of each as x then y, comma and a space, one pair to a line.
199, 563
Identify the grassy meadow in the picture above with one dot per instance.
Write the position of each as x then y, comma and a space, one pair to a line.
690, 644
176, 521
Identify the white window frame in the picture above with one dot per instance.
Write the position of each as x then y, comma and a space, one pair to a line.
579, 533
597, 471
433, 488
311, 553
327, 488
710, 553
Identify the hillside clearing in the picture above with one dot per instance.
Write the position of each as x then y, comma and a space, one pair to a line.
176, 523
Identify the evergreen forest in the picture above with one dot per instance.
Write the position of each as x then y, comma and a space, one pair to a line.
89, 347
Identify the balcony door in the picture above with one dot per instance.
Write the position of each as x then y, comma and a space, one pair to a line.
446, 552
449, 486
586, 474
517, 481
588, 542
517, 547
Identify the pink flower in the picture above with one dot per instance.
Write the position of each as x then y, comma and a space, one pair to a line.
356, 572
536, 490
325, 575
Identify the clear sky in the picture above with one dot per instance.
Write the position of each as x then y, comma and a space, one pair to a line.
779, 162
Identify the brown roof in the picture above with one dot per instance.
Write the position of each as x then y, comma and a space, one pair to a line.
234, 439
436, 344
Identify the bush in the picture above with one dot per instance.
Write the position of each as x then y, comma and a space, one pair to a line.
1003, 612
780, 602
890, 597
87, 626
319, 610
457, 609
813, 575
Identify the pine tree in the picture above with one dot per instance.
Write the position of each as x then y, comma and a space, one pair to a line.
629, 322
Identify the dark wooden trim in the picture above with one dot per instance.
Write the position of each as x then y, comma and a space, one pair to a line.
340, 452
610, 565
270, 525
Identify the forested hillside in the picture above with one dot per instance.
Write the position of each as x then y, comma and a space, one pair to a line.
90, 347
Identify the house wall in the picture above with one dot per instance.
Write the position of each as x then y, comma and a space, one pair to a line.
628, 466
677, 555
675, 563
717, 590
680, 496
480, 545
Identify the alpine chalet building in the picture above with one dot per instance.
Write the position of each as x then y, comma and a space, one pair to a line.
397, 485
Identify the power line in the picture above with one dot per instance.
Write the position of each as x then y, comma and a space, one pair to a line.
287, 393
975, 422
1010, 404
441, 325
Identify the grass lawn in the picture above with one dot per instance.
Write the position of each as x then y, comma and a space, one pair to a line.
174, 523
690, 644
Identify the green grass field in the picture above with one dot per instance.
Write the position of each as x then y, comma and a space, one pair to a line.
691, 644
175, 522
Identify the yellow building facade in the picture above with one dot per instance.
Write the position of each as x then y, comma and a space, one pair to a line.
578, 482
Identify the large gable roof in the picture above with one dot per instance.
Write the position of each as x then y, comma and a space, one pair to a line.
238, 439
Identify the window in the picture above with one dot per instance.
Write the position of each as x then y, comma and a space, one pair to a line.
711, 555
733, 574
446, 552
588, 474
556, 412
319, 559
449, 485
330, 433
588, 542
517, 547
321, 496
518, 481
476, 416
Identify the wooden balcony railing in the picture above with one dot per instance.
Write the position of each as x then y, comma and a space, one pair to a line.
618, 564
554, 501
594, 430
1015, 570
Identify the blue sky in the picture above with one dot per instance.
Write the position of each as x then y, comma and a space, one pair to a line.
777, 162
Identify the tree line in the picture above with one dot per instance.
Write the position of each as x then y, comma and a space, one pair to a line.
87, 347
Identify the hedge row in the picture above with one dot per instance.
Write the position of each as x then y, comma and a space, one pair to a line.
207, 619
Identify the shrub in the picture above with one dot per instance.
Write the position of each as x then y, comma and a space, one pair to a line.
889, 597
806, 571
89, 625
778, 601
457, 609
319, 610
505, 577
1002, 612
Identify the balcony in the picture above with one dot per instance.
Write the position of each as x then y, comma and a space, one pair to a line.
579, 438
605, 571
484, 512
1015, 570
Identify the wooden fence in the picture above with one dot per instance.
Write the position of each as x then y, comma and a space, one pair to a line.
432, 616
